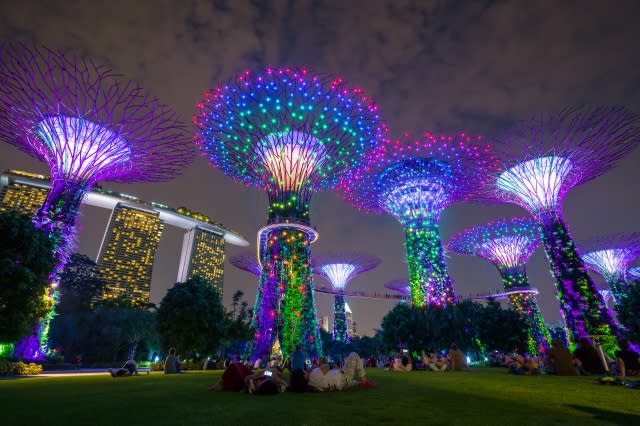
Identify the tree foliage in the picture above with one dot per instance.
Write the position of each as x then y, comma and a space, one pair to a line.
191, 318
629, 312
472, 326
107, 333
26, 259
80, 283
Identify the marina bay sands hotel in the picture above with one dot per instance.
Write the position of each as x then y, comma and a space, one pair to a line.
128, 248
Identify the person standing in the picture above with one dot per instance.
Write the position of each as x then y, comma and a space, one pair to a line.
297, 359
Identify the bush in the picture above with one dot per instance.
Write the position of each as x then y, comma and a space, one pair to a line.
19, 368
157, 366
187, 364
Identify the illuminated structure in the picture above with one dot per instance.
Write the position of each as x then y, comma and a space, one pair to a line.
634, 272
415, 180
87, 124
606, 295
401, 286
611, 257
127, 253
544, 158
338, 269
22, 197
203, 255
508, 244
348, 319
292, 133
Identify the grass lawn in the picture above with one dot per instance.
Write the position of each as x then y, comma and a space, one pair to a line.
483, 396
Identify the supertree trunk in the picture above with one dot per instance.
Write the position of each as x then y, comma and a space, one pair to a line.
525, 304
618, 289
428, 273
285, 307
339, 319
584, 310
57, 216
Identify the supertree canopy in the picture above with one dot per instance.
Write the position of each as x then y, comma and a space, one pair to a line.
290, 132
401, 286
339, 268
415, 180
634, 272
508, 244
88, 124
247, 261
543, 159
611, 257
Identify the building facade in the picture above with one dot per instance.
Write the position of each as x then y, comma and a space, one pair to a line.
202, 255
127, 253
21, 196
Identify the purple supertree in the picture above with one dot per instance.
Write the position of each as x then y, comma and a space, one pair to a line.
401, 286
291, 133
415, 180
88, 124
247, 261
634, 272
508, 244
611, 257
338, 268
544, 158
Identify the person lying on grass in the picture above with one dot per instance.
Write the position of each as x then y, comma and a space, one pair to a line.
323, 378
232, 379
267, 382
128, 369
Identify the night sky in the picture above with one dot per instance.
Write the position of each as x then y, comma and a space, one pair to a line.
441, 66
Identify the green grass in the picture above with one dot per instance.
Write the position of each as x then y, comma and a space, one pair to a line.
483, 396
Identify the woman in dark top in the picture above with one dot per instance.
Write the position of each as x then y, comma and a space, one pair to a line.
627, 359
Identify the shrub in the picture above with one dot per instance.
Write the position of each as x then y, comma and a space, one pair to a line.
19, 368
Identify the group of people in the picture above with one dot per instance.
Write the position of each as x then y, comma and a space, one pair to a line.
585, 360
319, 376
453, 360
172, 365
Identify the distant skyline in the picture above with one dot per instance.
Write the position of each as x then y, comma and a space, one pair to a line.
441, 66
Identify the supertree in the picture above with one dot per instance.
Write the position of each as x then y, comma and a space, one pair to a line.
508, 244
247, 261
338, 269
611, 257
291, 133
634, 272
606, 295
415, 180
401, 286
88, 124
543, 159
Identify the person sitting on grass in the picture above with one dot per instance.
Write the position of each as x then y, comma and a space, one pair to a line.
526, 366
588, 357
628, 360
171, 363
560, 359
267, 382
232, 379
323, 378
437, 363
457, 362
128, 369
